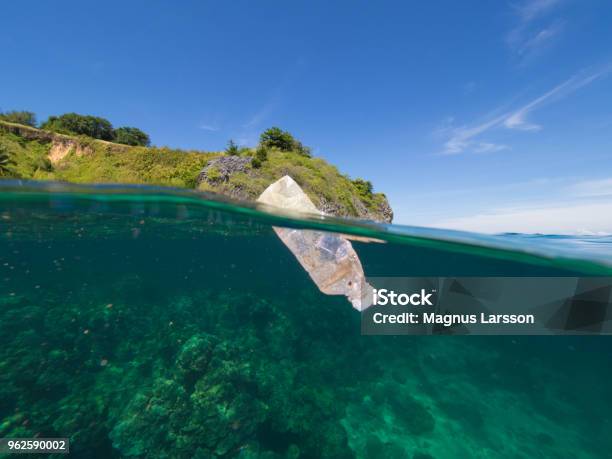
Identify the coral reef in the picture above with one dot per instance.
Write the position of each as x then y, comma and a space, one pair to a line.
204, 338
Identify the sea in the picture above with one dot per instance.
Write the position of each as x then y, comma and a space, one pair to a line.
144, 322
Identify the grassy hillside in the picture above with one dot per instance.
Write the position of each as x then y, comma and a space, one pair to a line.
43, 155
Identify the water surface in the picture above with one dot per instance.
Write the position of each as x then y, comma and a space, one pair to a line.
143, 322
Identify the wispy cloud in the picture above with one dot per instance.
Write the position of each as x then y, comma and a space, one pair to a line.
209, 127
250, 129
532, 43
534, 29
550, 218
246, 132
518, 119
559, 205
592, 188
276, 99
466, 138
529, 10
462, 138
265, 110
489, 147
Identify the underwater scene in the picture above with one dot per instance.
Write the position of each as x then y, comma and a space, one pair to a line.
140, 322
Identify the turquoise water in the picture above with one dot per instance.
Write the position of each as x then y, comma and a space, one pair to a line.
142, 322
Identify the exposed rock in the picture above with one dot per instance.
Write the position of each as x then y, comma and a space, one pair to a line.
383, 213
220, 169
60, 147
331, 208
386, 211
361, 209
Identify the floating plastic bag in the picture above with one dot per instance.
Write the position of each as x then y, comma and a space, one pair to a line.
328, 258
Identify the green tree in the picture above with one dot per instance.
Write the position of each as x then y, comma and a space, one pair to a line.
5, 160
73, 123
232, 148
277, 138
131, 136
19, 117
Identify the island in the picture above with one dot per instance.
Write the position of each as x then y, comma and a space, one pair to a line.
87, 149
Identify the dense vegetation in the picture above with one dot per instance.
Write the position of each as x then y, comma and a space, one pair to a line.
73, 123
68, 150
19, 117
131, 136
5, 161
277, 138
95, 127
76, 124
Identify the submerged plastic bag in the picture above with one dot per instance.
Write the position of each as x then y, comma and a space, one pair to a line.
328, 258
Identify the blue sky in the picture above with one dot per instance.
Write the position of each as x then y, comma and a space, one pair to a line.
486, 116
